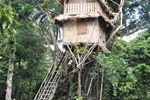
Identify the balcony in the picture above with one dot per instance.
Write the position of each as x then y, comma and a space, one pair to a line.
80, 8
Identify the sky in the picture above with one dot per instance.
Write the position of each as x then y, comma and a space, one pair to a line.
132, 36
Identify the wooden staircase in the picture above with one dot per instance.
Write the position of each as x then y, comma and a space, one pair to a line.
50, 83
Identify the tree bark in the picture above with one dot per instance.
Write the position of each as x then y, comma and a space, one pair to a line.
9, 76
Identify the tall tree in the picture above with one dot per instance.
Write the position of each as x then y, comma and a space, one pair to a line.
7, 20
28, 48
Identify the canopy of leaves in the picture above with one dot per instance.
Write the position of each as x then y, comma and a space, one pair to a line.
127, 69
28, 43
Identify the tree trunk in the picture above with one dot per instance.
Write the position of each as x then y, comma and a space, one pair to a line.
9, 76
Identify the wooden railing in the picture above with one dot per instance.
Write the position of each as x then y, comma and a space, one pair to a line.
78, 8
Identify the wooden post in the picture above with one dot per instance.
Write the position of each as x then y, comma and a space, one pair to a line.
90, 85
79, 83
64, 7
102, 81
68, 9
73, 8
97, 85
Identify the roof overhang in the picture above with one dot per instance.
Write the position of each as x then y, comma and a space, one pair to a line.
62, 17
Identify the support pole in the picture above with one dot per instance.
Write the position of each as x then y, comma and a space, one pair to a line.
90, 86
79, 83
102, 82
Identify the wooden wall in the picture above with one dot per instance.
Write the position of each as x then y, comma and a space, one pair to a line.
94, 33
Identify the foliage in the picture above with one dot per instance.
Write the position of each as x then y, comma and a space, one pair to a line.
22, 8
78, 98
6, 25
7, 33
30, 60
114, 68
28, 44
127, 69
138, 58
8, 40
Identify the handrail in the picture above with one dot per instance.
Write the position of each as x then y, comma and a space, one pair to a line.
78, 8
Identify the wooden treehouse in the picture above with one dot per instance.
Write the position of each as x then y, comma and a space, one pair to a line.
85, 21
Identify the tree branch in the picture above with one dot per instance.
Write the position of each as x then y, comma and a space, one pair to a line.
120, 7
114, 2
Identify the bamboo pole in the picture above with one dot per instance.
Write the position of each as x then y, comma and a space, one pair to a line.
102, 82
79, 83
90, 86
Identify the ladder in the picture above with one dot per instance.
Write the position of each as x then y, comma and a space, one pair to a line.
50, 83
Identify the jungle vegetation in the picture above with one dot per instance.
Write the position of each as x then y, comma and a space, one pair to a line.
26, 30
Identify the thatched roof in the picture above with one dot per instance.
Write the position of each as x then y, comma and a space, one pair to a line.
63, 17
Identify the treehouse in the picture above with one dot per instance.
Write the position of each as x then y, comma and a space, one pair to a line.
85, 21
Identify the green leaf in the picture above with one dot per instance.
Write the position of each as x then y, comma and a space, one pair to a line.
1, 2
0, 14
16, 22
10, 19
4, 25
